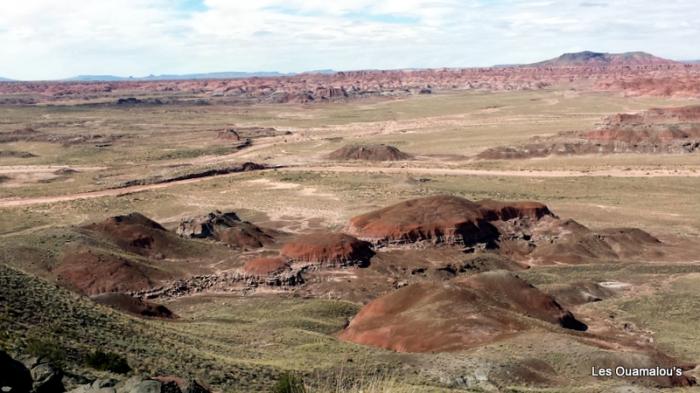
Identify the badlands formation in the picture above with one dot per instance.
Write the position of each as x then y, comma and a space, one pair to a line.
485, 229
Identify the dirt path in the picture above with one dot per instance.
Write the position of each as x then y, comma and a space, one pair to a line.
45, 168
504, 173
15, 202
353, 169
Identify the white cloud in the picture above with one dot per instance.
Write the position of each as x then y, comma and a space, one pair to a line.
43, 39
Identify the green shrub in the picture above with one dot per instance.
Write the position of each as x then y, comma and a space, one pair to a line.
289, 383
107, 361
46, 349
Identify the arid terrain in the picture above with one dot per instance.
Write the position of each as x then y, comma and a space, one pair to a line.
502, 229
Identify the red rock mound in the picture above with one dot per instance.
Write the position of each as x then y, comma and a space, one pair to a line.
137, 233
369, 153
441, 219
454, 315
92, 272
266, 266
226, 228
134, 306
328, 249
552, 240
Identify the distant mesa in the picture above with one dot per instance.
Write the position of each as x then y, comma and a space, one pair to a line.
655, 131
455, 315
599, 59
369, 153
132, 305
328, 249
227, 228
441, 219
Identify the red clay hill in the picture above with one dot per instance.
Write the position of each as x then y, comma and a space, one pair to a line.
455, 315
265, 266
440, 219
526, 232
328, 249
128, 253
137, 233
369, 153
93, 271
658, 130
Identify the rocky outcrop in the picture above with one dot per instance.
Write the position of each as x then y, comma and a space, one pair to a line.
138, 384
552, 240
455, 315
441, 219
226, 228
37, 375
369, 153
328, 249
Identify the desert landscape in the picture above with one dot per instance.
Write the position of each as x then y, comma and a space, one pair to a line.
498, 229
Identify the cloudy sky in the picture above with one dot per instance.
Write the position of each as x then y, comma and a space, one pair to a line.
49, 39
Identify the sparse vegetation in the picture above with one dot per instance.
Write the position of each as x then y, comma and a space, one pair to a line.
289, 383
46, 348
107, 361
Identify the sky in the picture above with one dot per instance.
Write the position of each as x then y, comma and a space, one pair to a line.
53, 39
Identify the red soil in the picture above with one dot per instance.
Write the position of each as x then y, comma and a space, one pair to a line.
454, 315
266, 266
92, 272
441, 219
329, 249
136, 233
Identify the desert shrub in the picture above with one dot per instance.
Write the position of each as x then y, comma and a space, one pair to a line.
46, 349
289, 383
107, 361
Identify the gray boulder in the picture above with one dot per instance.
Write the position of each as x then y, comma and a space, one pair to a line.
47, 378
148, 386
